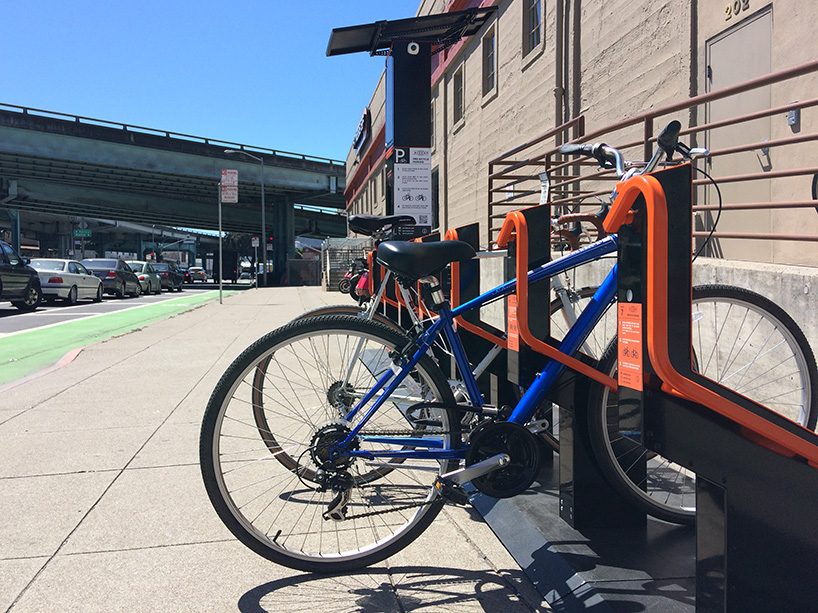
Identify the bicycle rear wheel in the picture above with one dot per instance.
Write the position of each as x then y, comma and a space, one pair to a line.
741, 340
277, 508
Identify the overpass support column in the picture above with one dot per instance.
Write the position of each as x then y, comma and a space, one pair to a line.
14, 216
283, 230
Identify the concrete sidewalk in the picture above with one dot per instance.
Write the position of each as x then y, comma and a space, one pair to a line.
104, 508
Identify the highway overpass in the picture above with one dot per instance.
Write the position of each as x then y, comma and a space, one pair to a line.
80, 166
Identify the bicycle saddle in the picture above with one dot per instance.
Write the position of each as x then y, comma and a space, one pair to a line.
412, 261
370, 224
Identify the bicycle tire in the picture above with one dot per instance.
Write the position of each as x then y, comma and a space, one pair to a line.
210, 451
356, 311
604, 419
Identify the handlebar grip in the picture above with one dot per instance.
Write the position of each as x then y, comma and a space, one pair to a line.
576, 149
669, 137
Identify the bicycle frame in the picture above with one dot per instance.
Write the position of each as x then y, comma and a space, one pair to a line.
388, 382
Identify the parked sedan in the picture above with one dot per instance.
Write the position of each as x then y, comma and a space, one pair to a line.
68, 280
19, 282
197, 273
117, 277
172, 279
149, 279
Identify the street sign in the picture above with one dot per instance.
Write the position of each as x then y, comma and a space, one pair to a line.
229, 186
254, 241
82, 233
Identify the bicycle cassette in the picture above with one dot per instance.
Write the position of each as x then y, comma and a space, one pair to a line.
519, 443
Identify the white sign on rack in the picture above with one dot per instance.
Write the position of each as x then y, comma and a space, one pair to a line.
229, 186
413, 183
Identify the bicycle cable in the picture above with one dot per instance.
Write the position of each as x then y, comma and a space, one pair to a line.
718, 213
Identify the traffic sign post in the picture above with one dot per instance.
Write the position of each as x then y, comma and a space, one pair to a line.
229, 194
254, 243
229, 186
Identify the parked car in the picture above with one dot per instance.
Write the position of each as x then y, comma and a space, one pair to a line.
68, 280
19, 282
117, 277
149, 279
172, 279
197, 273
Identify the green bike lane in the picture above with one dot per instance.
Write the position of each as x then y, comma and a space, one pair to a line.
29, 351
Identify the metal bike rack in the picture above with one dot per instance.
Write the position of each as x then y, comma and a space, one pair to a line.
757, 475
586, 498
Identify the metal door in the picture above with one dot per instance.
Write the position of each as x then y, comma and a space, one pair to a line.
741, 53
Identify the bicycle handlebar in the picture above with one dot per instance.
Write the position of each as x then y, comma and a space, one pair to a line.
608, 157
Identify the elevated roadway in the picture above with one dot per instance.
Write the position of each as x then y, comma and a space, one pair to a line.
81, 166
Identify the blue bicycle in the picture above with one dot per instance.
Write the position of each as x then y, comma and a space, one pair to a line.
365, 441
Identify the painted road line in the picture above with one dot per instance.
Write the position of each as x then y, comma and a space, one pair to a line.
27, 351
127, 309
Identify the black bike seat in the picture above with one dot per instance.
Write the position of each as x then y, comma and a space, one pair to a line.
413, 261
369, 224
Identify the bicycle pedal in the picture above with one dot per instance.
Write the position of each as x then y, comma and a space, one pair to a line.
451, 492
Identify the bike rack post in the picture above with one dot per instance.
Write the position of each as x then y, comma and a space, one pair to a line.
756, 471
477, 336
586, 498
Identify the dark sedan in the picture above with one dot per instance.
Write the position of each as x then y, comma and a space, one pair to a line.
172, 278
19, 282
117, 277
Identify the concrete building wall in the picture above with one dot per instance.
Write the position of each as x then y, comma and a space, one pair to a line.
622, 58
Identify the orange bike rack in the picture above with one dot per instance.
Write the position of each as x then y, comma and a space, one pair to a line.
770, 434
515, 228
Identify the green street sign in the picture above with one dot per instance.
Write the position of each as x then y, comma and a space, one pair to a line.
82, 233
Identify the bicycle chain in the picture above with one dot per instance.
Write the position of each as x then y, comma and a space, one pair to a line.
438, 500
402, 432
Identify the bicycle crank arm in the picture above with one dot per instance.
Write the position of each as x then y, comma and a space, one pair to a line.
464, 475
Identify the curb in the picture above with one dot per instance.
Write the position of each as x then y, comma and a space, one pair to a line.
63, 361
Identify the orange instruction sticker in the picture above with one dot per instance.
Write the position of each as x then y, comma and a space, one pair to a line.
512, 331
630, 345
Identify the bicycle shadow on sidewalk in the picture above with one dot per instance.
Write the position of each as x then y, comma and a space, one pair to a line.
401, 588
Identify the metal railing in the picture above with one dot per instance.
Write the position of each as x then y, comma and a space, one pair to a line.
577, 185
24, 110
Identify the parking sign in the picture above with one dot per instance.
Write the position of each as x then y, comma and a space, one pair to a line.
229, 186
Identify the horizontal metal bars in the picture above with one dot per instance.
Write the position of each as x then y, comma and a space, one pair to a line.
778, 142
756, 176
761, 236
749, 206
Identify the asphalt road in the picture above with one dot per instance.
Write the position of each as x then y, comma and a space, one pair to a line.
13, 320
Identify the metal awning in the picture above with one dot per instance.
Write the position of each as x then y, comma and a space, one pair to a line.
442, 29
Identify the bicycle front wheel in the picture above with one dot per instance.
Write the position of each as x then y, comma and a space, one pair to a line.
315, 370
741, 340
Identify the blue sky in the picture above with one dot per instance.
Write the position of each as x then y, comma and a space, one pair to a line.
250, 71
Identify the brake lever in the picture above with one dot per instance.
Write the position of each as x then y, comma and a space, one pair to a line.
692, 153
